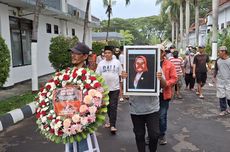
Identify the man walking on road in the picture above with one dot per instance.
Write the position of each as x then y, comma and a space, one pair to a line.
223, 80
200, 70
111, 69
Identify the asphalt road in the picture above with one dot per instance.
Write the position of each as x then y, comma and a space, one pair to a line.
193, 126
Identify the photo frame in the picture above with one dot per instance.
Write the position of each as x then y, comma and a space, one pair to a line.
141, 64
67, 100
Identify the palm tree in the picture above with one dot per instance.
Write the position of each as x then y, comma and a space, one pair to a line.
181, 23
215, 4
86, 20
187, 21
108, 4
34, 45
196, 3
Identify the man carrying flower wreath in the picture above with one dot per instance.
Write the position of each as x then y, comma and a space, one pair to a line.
79, 55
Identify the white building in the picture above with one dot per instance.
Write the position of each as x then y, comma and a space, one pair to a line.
58, 17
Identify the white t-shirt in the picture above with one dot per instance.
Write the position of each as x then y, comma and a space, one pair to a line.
121, 58
110, 70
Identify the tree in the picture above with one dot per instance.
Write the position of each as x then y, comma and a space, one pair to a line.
187, 21
196, 3
127, 37
108, 4
215, 4
34, 45
86, 20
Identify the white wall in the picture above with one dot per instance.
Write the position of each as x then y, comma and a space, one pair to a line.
18, 74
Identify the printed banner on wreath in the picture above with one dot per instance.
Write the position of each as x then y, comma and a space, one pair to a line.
67, 100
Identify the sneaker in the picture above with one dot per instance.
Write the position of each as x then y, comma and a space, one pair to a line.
179, 97
162, 140
228, 111
201, 96
197, 93
222, 113
113, 130
107, 125
121, 99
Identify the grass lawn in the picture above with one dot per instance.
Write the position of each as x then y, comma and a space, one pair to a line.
15, 102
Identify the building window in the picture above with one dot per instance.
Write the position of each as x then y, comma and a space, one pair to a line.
48, 28
73, 32
21, 33
56, 29
222, 25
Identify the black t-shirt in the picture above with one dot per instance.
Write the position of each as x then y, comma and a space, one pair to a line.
200, 61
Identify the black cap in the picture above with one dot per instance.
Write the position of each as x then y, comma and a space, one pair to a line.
109, 47
172, 47
80, 48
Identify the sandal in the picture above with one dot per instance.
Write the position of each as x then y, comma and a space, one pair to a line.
107, 125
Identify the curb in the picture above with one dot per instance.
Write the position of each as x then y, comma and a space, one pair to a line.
14, 116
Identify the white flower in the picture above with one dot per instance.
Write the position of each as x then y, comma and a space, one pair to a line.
43, 119
64, 83
84, 121
47, 129
74, 81
51, 111
79, 82
92, 110
60, 77
88, 81
44, 109
76, 118
79, 72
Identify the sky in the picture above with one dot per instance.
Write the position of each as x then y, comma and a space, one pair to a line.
136, 8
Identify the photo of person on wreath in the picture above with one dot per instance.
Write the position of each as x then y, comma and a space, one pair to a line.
141, 76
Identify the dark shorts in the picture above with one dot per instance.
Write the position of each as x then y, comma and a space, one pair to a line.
201, 78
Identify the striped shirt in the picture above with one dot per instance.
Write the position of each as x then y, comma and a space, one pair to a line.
178, 62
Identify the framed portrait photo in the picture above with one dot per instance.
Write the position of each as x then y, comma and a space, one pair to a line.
141, 64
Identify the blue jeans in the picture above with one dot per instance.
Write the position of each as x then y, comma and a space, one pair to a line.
223, 103
81, 146
164, 105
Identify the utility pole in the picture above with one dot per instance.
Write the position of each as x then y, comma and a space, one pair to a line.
215, 4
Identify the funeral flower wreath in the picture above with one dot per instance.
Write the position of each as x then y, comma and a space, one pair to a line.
91, 110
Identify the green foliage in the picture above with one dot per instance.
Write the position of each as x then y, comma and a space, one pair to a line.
226, 42
4, 61
97, 46
208, 49
128, 37
59, 56
114, 43
15, 102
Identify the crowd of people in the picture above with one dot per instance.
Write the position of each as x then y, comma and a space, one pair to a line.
149, 113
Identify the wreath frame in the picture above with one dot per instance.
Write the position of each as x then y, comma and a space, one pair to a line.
87, 79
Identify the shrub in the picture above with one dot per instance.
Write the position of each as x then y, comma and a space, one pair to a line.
227, 42
59, 56
4, 61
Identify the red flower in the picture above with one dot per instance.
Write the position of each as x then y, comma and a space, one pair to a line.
50, 117
56, 82
97, 84
48, 87
56, 121
60, 132
92, 78
52, 131
83, 78
83, 71
38, 115
87, 86
44, 94
41, 89
43, 113
74, 75
66, 77
42, 103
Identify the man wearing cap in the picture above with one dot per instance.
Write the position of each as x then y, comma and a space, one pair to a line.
200, 69
110, 68
223, 80
79, 54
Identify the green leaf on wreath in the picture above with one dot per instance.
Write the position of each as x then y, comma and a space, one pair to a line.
71, 139
78, 138
58, 140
